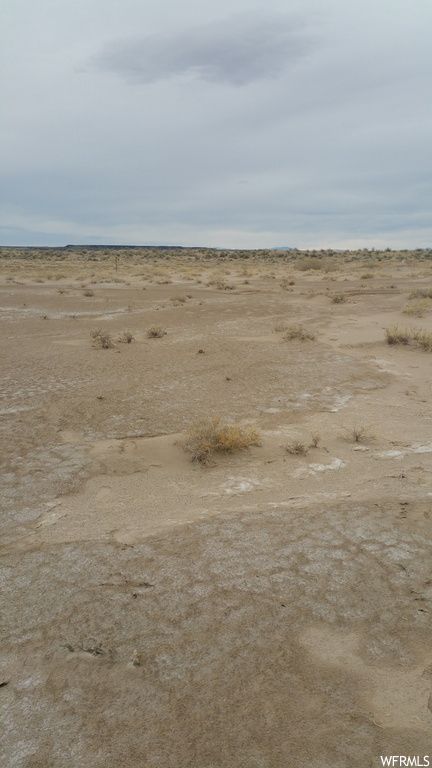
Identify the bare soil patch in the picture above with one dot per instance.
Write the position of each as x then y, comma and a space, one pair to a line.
270, 607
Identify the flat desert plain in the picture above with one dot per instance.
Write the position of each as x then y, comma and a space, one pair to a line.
267, 608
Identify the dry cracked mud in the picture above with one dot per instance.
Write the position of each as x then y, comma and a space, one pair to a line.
265, 611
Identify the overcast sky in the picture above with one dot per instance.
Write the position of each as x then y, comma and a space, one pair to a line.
240, 123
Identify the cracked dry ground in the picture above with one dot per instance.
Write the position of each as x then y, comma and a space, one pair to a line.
269, 610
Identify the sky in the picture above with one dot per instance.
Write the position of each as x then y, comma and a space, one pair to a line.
231, 124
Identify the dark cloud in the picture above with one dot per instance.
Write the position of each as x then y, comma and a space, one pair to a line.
237, 51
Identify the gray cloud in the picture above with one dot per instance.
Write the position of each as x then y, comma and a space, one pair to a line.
237, 51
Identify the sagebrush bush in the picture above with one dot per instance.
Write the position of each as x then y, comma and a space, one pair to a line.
126, 337
297, 448
209, 435
359, 433
156, 332
339, 298
102, 339
315, 439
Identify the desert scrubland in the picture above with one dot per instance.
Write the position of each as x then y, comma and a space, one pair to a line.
168, 604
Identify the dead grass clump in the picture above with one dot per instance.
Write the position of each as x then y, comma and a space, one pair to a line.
102, 339
307, 263
126, 337
415, 337
421, 293
178, 300
298, 332
422, 339
359, 433
208, 435
285, 284
339, 298
156, 332
219, 282
417, 308
297, 448
396, 335
315, 440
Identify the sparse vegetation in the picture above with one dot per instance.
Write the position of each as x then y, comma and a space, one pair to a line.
339, 298
415, 337
126, 337
315, 440
297, 448
156, 332
417, 307
422, 339
298, 332
421, 293
359, 433
102, 339
285, 284
396, 335
178, 300
207, 436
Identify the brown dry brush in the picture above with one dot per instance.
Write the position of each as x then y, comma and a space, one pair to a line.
207, 436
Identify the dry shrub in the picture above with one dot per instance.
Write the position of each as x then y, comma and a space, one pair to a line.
367, 275
307, 263
422, 339
280, 327
359, 433
421, 293
297, 448
156, 332
126, 337
396, 335
315, 440
178, 300
220, 283
417, 308
339, 298
208, 435
89, 292
102, 339
285, 284
415, 337
298, 332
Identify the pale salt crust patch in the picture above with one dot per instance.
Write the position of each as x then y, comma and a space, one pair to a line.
240, 484
340, 402
390, 455
419, 448
312, 469
415, 448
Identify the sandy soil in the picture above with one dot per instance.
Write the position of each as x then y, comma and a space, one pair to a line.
265, 611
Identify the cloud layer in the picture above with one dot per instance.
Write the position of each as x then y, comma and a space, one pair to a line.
217, 123
238, 51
